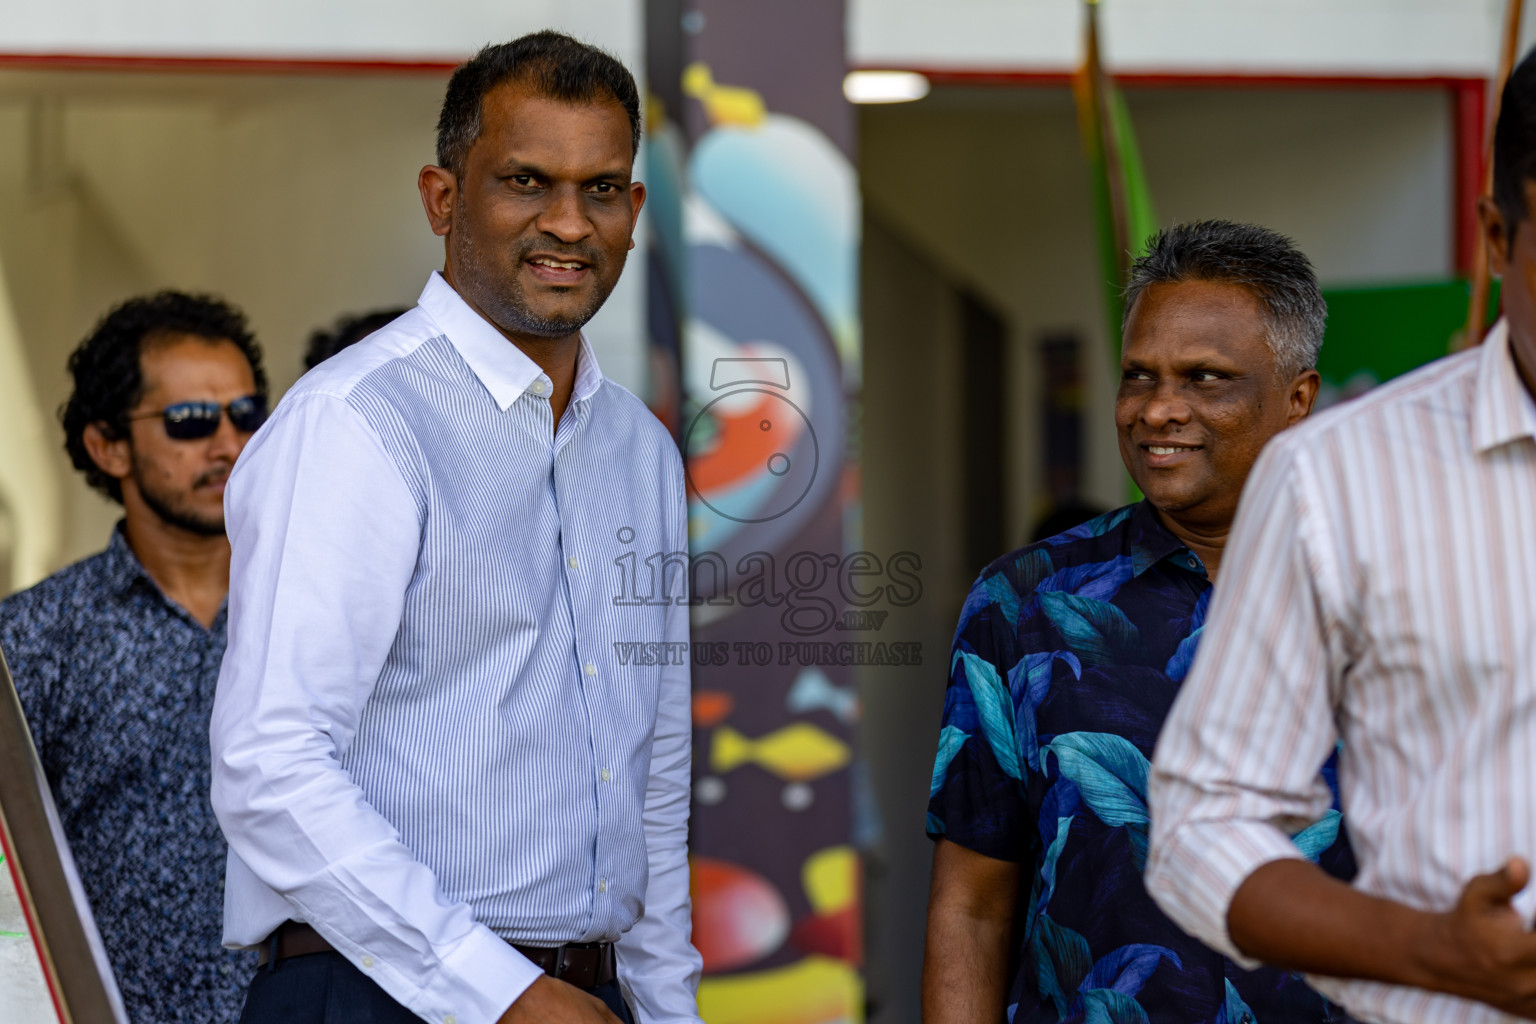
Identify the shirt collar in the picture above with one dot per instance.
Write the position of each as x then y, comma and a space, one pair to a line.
501, 366
1150, 542
125, 572
1502, 409
123, 566
589, 376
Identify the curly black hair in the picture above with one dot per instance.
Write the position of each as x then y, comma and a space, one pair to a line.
349, 330
108, 374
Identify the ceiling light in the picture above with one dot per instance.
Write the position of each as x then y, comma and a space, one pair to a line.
884, 86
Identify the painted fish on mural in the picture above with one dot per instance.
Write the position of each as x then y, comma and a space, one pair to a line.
813, 691
798, 752
711, 707
738, 916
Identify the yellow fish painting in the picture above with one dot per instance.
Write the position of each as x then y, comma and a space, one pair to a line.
723, 104
798, 752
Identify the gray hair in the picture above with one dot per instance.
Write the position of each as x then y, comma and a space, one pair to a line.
1265, 262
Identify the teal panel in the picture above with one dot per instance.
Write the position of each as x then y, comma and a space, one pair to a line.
1386, 331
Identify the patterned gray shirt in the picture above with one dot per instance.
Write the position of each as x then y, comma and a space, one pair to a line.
117, 683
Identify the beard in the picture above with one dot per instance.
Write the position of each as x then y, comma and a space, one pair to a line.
173, 508
500, 296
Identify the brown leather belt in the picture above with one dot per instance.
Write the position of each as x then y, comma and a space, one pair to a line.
583, 964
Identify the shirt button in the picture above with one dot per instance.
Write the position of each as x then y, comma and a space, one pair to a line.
367, 961
604, 775
591, 669
602, 885
450, 1019
538, 389
571, 561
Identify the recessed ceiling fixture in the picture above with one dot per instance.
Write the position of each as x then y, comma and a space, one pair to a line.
884, 86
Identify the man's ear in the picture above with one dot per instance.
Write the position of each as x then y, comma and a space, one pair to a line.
1303, 394
439, 189
111, 455
637, 196
1498, 234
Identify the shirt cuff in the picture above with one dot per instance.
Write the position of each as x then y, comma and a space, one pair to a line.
1194, 874
477, 982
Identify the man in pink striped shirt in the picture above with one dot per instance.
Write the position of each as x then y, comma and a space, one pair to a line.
1380, 593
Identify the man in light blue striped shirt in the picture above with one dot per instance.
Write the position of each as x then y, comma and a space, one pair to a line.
445, 796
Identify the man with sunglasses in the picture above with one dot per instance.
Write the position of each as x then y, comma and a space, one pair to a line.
116, 657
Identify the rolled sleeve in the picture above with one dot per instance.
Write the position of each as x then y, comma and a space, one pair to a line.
325, 535
1235, 772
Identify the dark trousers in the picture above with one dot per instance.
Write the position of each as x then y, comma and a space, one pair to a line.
324, 988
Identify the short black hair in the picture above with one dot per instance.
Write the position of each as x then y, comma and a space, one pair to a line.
109, 373
349, 330
554, 64
1265, 262
1514, 143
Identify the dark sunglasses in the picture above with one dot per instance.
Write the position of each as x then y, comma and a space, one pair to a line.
189, 421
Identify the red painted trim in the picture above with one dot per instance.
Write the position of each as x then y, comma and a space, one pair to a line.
225, 65
1183, 79
1469, 123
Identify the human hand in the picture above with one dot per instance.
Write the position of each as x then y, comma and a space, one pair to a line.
1481, 949
551, 1001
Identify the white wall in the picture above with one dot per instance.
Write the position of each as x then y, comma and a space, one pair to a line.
912, 496
294, 197
1380, 37
992, 186
1390, 37
292, 194
359, 29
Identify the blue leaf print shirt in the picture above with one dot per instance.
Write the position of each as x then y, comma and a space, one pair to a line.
1066, 661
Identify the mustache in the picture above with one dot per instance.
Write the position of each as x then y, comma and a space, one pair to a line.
213, 476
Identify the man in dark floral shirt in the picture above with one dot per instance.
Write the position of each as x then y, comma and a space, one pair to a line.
1069, 653
116, 657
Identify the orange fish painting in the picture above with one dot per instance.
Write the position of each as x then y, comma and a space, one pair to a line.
711, 707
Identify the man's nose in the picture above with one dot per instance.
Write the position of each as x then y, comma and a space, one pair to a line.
228, 441
1165, 405
565, 217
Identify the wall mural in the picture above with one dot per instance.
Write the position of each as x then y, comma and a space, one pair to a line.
769, 216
